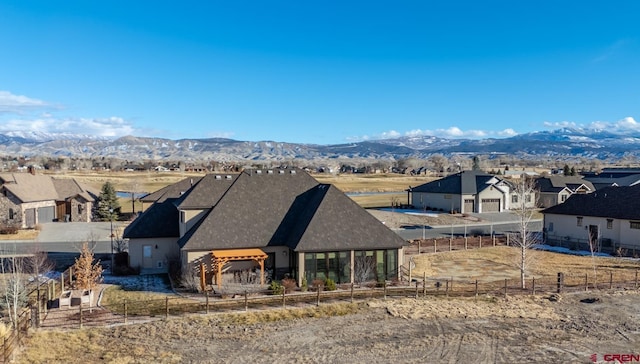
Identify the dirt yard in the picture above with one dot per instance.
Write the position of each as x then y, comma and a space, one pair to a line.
523, 329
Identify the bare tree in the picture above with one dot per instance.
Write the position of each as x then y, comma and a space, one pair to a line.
38, 263
363, 267
524, 203
13, 282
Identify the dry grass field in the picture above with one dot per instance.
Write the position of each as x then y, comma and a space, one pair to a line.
431, 329
153, 181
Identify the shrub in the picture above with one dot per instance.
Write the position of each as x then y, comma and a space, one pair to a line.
305, 286
331, 284
289, 285
317, 284
9, 229
276, 288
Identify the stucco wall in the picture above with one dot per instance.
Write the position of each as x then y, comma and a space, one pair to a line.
435, 201
191, 217
162, 250
566, 226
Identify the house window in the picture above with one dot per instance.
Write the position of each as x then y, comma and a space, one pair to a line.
579, 220
447, 197
80, 209
634, 224
564, 198
550, 227
609, 223
514, 198
183, 217
528, 198
11, 214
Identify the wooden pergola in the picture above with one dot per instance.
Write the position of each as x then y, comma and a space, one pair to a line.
221, 257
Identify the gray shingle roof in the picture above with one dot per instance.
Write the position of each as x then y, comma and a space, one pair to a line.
465, 182
172, 191
612, 202
278, 208
28, 187
558, 183
67, 187
159, 220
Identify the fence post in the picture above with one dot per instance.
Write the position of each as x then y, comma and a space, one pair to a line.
560, 282
465, 243
417, 289
610, 280
80, 308
384, 290
424, 284
476, 289
125, 311
446, 289
246, 301
318, 297
284, 290
61, 282
450, 244
480, 242
351, 292
206, 298
435, 245
505, 288
166, 307
586, 282
533, 285
38, 306
636, 282
419, 243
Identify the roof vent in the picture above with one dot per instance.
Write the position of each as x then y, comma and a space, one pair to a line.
293, 171
218, 177
269, 172
281, 171
227, 177
258, 171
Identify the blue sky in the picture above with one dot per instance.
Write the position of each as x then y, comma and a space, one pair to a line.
318, 72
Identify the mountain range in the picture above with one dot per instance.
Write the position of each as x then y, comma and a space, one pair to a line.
567, 142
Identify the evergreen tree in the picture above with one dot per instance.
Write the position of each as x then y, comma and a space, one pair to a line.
573, 171
108, 204
476, 163
566, 170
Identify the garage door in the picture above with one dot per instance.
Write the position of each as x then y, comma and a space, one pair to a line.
491, 205
30, 218
469, 205
46, 214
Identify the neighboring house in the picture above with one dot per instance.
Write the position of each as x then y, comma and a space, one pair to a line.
172, 191
609, 218
28, 199
281, 220
556, 189
466, 192
613, 177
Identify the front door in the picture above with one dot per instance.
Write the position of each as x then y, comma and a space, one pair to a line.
147, 261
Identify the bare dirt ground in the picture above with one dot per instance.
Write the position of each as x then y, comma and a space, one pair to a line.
519, 329
395, 220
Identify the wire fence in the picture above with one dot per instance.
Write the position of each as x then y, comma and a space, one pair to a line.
136, 311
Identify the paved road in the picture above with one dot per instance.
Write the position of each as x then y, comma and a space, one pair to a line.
498, 222
59, 237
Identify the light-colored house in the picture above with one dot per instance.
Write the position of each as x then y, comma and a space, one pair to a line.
608, 219
466, 192
282, 221
556, 189
27, 199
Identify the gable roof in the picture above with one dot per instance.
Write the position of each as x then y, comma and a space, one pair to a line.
160, 220
611, 202
462, 183
555, 184
605, 180
258, 208
68, 188
171, 191
28, 187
